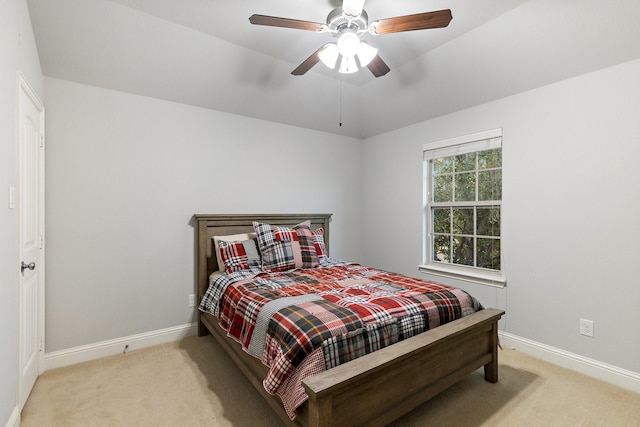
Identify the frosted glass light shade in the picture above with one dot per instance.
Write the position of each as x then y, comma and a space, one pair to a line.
366, 53
329, 55
348, 43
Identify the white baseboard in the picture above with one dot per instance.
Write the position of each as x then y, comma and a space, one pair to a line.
602, 371
88, 352
593, 368
14, 419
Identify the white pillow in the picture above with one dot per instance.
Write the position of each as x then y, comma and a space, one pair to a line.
229, 238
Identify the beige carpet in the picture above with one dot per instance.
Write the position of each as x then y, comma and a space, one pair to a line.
193, 383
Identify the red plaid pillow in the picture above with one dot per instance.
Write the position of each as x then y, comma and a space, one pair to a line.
237, 256
318, 242
284, 248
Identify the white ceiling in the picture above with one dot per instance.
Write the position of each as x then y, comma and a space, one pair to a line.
206, 53
228, 20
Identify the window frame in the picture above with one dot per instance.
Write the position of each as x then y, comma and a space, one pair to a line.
480, 141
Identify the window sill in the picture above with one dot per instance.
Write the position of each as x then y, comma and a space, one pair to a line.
487, 279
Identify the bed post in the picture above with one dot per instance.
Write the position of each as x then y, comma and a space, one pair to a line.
491, 368
320, 414
202, 271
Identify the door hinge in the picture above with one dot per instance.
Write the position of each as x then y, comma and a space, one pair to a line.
41, 344
41, 242
41, 140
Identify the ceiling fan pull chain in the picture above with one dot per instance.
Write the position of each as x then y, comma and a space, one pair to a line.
340, 102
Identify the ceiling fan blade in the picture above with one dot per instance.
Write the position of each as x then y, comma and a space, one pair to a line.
378, 67
274, 21
308, 63
419, 21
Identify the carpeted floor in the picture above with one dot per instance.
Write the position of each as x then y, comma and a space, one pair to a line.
193, 383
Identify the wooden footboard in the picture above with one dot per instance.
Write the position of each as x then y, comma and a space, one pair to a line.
380, 387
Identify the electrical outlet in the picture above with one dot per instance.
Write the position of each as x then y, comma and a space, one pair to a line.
192, 300
586, 327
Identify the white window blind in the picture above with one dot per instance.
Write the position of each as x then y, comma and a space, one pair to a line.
480, 141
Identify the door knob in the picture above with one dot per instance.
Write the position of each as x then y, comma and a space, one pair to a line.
30, 266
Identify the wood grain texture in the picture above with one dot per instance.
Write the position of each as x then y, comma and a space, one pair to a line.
418, 21
378, 67
308, 63
274, 21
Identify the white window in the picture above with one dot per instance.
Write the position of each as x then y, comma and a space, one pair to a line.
463, 208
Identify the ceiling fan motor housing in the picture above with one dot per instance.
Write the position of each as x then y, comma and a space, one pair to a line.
338, 21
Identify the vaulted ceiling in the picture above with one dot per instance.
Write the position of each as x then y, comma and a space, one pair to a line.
206, 53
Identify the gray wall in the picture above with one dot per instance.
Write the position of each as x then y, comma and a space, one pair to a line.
126, 173
570, 209
17, 52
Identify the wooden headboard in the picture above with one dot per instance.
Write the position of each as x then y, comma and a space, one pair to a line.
210, 225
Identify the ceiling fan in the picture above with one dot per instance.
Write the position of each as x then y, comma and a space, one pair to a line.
347, 24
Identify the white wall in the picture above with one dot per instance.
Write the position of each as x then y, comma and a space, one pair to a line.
570, 209
126, 173
17, 51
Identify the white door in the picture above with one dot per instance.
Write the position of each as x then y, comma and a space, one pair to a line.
30, 237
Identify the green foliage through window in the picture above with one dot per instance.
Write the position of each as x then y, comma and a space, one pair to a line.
465, 208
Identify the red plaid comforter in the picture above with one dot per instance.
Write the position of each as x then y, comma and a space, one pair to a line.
337, 313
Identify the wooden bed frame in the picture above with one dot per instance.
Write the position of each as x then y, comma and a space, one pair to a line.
374, 389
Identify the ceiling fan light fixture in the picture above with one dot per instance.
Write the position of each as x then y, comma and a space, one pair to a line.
329, 55
352, 8
348, 43
366, 53
348, 65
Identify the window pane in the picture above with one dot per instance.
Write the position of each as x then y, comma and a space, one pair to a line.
490, 185
442, 220
464, 209
463, 221
441, 248
442, 165
463, 250
443, 188
465, 187
489, 253
488, 222
465, 162
490, 159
